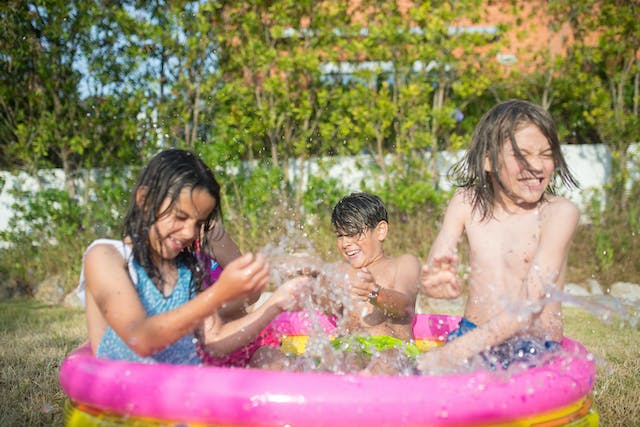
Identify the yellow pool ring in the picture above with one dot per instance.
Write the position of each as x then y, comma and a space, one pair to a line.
578, 414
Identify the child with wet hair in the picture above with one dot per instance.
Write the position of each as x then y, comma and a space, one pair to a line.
518, 234
143, 293
383, 289
370, 298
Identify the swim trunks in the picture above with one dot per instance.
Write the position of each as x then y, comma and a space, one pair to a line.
514, 350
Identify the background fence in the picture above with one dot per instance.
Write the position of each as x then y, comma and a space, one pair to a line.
590, 164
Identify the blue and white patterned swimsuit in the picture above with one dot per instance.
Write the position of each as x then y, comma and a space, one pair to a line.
182, 352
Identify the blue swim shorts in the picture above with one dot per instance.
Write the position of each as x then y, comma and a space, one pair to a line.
516, 349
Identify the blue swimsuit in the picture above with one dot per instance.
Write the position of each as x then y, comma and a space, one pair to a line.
514, 349
182, 352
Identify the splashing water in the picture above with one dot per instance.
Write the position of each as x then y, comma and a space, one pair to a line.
328, 294
293, 256
606, 308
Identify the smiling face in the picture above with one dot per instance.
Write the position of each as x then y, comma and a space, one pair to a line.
180, 224
365, 248
524, 180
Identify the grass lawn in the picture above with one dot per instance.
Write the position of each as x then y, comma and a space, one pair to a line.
34, 339
616, 346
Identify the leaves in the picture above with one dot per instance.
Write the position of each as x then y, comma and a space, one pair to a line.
87, 84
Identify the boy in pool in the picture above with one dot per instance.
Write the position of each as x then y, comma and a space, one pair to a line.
383, 289
518, 236
372, 296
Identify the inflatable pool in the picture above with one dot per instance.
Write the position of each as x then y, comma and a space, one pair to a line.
115, 393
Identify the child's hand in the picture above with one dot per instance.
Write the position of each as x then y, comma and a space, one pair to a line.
362, 288
290, 295
243, 275
440, 278
288, 266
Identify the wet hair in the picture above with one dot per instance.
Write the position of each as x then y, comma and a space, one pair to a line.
498, 125
358, 212
165, 176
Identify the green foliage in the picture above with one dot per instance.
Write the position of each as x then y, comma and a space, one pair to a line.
88, 85
44, 216
408, 186
596, 82
321, 194
44, 221
252, 79
110, 194
52, 215
248, 196
615, 234
604, 237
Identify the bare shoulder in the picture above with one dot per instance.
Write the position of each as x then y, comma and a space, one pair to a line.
457, 215
102, 252
460, 205
559, 220
407, 261
105, 266
462, 197
560, 209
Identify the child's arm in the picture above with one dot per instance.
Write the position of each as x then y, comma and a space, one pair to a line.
112, 296
222, 338
222, 248
558, 224
397, 301
439, 276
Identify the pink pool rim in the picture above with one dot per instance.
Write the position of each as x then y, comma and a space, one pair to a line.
249, 397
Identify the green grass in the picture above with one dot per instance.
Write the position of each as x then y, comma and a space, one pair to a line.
35, 338
616, 346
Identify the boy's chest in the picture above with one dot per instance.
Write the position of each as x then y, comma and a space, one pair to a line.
511, 242
384, 273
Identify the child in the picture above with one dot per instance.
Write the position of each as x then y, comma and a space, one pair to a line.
371, 297
518, 236
142, 297
383, 288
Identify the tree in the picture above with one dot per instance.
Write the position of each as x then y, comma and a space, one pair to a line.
273, 99
60, 107
605, 59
